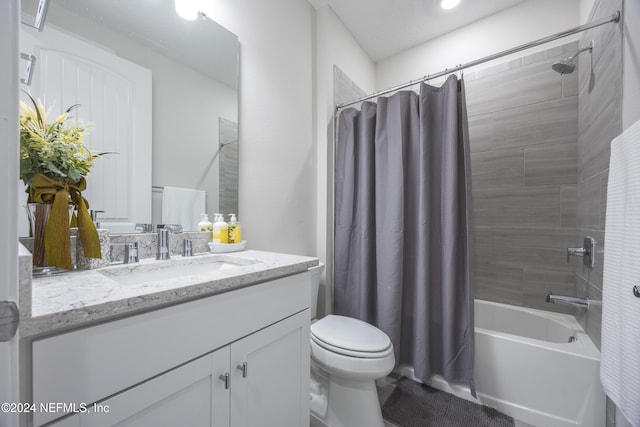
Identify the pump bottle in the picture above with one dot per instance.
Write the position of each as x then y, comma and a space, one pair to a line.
218, 226
235, 230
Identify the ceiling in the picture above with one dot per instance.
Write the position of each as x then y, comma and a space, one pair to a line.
384, 28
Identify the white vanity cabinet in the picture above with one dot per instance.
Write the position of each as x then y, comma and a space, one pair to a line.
168, 367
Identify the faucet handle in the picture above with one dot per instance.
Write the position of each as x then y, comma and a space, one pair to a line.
131, 252
187, 247
587, 251
575, 252
163, 251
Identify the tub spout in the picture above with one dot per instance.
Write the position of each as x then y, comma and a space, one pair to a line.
562, 299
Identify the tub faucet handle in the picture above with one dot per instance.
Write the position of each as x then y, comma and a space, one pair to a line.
587, 252
574, 252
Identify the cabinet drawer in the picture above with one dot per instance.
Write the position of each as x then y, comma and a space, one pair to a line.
90, 364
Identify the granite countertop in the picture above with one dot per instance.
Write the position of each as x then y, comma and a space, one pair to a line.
73, 299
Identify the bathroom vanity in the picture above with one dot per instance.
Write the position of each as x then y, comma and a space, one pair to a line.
212, 340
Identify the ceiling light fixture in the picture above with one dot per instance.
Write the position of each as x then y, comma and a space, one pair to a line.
187, 9
447, 4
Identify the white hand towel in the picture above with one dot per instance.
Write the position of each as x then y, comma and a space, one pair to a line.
620, 365
183, 206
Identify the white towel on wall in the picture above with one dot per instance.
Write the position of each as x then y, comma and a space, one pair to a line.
183, 206
620, 365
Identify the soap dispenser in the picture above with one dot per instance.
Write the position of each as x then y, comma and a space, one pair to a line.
235, 230
220, 230
205, 224
218, 225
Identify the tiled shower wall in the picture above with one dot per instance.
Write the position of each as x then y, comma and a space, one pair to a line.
539, 157
228, 197
523, 124
599, 121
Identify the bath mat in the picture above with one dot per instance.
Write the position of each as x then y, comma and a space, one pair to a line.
412, 404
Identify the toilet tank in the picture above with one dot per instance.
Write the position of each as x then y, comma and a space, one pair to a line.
316, 273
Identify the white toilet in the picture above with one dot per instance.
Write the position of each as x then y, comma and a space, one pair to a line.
351, 355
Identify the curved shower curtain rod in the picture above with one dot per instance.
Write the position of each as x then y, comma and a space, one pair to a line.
613, 18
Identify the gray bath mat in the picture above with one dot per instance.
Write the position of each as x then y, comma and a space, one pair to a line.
412, 404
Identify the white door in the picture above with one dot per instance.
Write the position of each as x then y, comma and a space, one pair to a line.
9, 23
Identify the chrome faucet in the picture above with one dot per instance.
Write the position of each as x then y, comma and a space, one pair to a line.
163, 251
574, 301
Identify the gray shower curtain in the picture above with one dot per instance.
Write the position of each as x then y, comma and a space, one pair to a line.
403, 259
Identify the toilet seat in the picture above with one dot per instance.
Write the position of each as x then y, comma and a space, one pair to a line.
351, 337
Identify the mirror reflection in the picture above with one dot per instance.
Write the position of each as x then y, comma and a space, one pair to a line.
159, 90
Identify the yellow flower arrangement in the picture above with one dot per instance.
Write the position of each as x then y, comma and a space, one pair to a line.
53, 165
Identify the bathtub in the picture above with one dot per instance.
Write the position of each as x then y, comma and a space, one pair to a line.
536, 366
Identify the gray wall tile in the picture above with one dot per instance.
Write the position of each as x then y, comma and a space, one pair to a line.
594, 141
499, 283
481, 133
524, 156
229, 166
588, 215
604, 182
594, 315
568, 201
532, 248
526, 207
569, 84
551, 164
539, 123
498, 169
599, 121
344, 89
513, 88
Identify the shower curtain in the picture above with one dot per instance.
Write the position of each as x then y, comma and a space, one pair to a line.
403, 259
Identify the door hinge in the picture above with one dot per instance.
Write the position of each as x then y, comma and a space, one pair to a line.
9, 319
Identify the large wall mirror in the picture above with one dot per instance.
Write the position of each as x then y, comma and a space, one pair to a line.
160, 91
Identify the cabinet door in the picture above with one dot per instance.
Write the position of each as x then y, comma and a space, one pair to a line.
191, 395
270, 375
72, 421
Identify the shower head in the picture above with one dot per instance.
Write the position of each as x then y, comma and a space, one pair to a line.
564, 66
568, 65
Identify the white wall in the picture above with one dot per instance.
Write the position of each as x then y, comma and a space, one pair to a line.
334, 46
585, 10
631, 63
277, 155
512, 27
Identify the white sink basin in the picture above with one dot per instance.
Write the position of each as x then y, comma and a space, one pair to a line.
138, 274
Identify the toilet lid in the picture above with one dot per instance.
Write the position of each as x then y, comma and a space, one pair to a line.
350, 334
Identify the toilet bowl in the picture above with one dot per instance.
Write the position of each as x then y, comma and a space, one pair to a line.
351, 354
